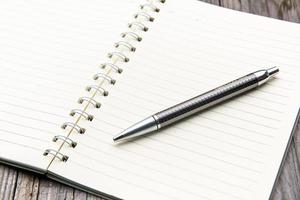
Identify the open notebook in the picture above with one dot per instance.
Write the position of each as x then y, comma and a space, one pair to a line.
51, 50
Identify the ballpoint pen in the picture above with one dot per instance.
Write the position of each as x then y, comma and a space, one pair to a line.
197, 104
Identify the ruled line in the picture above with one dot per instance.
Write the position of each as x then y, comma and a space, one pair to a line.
30, 127
160, 171
159, 181
33, 109
175, 136
170, 153
218, 121
25, 136
200, 125
179, 128
101, 173
22, 145
163, 161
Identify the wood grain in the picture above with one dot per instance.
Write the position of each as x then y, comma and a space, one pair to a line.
8, 179
19, 185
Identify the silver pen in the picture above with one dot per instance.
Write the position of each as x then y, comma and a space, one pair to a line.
197, 104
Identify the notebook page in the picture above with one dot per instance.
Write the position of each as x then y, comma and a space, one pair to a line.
49, 52
232, 151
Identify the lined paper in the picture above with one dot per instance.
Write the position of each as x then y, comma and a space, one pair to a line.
49, 53
232, 151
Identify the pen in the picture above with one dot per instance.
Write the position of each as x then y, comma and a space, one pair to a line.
197, 104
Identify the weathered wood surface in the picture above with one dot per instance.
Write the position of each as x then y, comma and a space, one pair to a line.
20, 185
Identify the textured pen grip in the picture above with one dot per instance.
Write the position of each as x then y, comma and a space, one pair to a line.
206, 100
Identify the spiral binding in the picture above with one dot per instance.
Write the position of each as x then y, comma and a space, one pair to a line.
56, 154
73, 127
125, 44
95, 103
82, 113
65, 139
145, 15
97, 88
132, 35
105, 77
149, 6
113, 66
136, 27
119, 55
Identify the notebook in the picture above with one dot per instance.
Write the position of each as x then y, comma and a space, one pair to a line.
74, 74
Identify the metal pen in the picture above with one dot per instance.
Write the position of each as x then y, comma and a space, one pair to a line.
197, 104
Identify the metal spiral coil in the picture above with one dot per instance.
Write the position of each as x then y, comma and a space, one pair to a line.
132, 35
160, 1
113, 66
73, 126
98, 89
145, 15
56, 154
150, 6
125, 44
139, 26
82, 113
119, 55
65, 139
89, 100
104, 77
136, 29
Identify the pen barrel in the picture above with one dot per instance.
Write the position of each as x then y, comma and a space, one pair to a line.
206, 100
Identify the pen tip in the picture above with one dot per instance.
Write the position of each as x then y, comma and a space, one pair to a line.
273, 71
120, 137
116, 138
145, 126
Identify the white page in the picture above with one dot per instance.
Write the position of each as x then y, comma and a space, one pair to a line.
232, 151
49, 52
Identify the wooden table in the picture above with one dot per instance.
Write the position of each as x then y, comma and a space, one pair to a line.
17, 184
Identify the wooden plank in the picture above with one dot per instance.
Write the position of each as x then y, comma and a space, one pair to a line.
251, 6
216, 2
287, 186
284, 9
52, 190
92, 197
241, 5
80, 195
288, 10
8, 178
27, 187
258, 7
